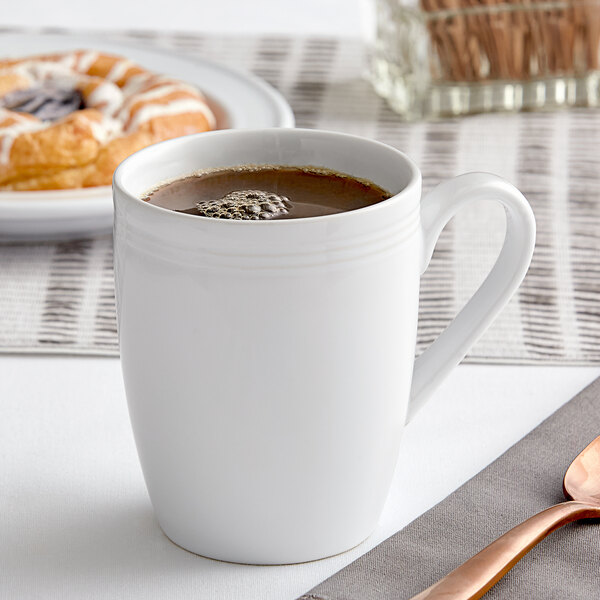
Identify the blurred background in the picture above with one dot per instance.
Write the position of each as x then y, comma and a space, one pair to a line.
319, 17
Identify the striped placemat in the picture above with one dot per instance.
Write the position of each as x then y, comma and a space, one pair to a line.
58, 297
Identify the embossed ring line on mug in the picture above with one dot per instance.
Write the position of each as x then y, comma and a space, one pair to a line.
269, 366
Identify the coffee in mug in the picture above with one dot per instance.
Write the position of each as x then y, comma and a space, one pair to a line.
265, 192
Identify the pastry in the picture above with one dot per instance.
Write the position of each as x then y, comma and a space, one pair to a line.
67, 120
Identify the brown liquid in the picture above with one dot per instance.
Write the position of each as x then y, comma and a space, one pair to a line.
308, 192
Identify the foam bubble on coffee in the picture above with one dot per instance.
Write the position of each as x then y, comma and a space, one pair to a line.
254, 205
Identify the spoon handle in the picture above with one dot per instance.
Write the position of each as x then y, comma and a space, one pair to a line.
478, 574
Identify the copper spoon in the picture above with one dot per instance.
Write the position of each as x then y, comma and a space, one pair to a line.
475, 577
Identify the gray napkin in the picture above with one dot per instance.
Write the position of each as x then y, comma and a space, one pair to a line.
524, 480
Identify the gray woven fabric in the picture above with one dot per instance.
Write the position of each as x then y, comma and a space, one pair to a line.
58, 297
523, 481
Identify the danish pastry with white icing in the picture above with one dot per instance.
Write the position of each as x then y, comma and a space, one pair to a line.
67, 120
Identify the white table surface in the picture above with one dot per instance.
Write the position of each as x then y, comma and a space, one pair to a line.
76, 522
75, 519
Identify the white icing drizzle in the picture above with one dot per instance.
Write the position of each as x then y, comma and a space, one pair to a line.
106, 93
106, 130
67, 61
86, 60
187, 105
158, 92
136, 82
119, 69
36, 70
153, 94
9, 133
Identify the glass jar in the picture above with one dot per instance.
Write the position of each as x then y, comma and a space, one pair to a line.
436, 58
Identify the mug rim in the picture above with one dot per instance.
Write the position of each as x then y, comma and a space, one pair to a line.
121, 170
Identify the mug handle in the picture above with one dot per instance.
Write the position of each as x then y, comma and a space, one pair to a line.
437, 208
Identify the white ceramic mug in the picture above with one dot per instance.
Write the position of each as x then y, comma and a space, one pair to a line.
268, 365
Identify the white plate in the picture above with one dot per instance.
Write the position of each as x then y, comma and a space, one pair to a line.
240, 100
